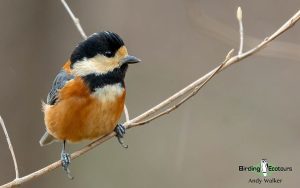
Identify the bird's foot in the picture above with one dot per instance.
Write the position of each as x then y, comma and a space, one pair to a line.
120, 131
65, 162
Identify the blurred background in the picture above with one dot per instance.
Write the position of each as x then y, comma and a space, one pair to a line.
248, 112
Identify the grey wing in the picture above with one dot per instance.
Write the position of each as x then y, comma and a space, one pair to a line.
60, 80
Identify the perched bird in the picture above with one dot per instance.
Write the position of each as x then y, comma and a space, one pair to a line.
87, 96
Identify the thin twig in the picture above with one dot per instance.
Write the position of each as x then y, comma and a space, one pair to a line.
75, 20
239, 15
10, 147
231, 61
194, 92
295, 18
126, 113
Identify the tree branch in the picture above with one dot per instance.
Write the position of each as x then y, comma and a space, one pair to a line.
126, 113
196, 85
194, 92
239, 16
75, 20
10, 147
287, 25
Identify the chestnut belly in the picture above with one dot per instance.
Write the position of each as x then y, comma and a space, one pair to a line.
79, 118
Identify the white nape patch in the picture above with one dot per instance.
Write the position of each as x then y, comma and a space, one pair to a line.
108, 92
99, 64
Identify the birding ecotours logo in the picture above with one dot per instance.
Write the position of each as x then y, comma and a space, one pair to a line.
264, 168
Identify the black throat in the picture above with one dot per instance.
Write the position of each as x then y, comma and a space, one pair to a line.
95, 81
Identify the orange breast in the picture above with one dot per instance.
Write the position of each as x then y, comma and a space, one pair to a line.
80, 115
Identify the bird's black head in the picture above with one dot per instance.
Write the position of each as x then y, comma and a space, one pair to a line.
105, 43
100, 53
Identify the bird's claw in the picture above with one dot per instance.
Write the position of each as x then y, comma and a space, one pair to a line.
120, 131
65, 162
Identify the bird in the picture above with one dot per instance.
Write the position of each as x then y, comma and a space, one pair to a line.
264, 167
88, 94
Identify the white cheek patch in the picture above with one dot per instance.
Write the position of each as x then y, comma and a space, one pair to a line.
109, 92
96, 65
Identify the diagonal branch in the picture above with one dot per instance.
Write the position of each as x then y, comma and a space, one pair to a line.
10, 147
75, 20
287, 25
196, 84
194, 92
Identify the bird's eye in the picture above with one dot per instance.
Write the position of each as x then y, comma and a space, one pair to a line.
108, 53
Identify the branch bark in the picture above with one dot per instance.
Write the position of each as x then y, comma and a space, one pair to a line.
140, 120
75, 19
239, 16
10, 147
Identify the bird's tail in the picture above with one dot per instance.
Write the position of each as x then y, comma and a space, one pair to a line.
47, 139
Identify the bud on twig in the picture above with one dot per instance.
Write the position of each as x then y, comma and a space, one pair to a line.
239, 14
